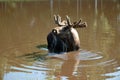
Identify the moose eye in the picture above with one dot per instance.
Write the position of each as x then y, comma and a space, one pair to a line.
54, 31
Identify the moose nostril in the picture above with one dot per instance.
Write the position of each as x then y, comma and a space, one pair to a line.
54, 31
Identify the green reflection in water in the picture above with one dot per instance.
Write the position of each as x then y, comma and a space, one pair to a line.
36, 56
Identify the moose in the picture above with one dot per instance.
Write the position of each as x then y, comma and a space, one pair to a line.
64, 38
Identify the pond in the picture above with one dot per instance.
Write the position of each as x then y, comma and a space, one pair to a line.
23, 46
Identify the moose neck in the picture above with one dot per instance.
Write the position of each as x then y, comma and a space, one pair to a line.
72, 40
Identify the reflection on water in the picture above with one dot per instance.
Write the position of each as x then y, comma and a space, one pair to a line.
25, 25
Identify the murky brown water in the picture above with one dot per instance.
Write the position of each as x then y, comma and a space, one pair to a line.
25, 25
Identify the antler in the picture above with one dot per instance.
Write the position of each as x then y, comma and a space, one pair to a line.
79, 24
68, 21
76, 24
58, 21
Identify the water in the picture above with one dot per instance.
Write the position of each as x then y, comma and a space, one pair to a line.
25, 25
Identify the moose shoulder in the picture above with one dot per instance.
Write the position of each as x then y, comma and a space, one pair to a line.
64, 38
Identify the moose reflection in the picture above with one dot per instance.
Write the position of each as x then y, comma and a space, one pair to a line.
64, 38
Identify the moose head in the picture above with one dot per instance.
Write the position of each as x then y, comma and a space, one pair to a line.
64, 38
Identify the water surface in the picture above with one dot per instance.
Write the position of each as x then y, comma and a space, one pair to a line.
25, 25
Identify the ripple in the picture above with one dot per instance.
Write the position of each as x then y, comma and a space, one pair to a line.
87, 55
25, 76
26, 68
113, 75
30, 65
